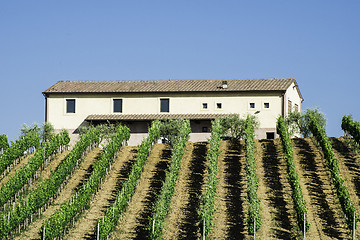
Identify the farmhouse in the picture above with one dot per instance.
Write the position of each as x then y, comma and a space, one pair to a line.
71, 104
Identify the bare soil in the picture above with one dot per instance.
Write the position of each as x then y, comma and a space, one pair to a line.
134, 223
81, 174
175, 214
105, 197
183, 221
324, 211
274, 192
230, 202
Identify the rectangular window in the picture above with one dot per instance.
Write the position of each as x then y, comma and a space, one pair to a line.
289, 106
164, 105
252, 105
218, 105
117, 105
204, 105
296, 108
70, 105
266, 105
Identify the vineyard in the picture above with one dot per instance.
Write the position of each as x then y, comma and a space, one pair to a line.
221, 189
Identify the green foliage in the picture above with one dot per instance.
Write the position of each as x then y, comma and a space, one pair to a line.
297, 195
162, 204
26, 129
47, 132
68, 211
21, 177
107, 131
207, 208
37, 197
254, 202
112, 215
351, 127
4, 144
27, 143
298, 122
332, 163
170, 130
234, 126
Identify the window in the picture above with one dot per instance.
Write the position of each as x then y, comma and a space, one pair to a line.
289, 106
296, 108
252, 105
270, 135
204, 129
164, 105
117, 105
218, 105
70, 105
204, 105
267, 105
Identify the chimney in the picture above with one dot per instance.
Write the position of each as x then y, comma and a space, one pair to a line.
224, 84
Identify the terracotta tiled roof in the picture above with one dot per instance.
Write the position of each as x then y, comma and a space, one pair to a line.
234, 85
124, 117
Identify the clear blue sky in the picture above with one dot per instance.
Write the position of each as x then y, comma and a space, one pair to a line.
316, 42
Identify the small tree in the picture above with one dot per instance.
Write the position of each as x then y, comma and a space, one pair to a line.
26, 129
47, 132
234, 126
170, 129
300, 122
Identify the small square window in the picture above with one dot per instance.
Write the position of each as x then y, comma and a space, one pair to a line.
218, 105
252, 105
204, 129
204, 105
70, 105
266, 105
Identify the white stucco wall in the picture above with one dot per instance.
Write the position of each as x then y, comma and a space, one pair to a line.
180, 103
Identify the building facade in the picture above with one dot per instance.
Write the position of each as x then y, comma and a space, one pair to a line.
71, 104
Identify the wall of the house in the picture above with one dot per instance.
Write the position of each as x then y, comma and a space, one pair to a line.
180, 103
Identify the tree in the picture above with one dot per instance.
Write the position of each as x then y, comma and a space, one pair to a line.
300, 122
170, 129
234, 126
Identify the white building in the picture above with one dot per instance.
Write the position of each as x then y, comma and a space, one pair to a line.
71, 104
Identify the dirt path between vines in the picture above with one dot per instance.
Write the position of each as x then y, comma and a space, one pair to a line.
324, 211
230, 201
175, 214
46, 172
349, 165
81, 174
105, 197
274, 191
22, 163
135, 220
182, 221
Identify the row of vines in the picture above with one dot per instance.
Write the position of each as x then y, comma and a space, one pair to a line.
297, 195
207, 207
106, 224
254, 219
62, 218
162, 204
333, 165
27, 143
15, 215
18, 181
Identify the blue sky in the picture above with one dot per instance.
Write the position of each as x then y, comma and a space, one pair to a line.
315, 42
